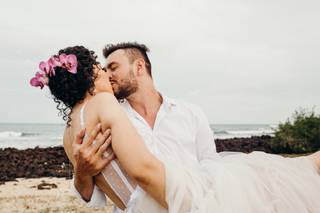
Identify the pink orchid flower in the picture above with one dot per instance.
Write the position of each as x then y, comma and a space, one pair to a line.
68, 62
63, 59
45, 67
40, 80
36, 83
54, 61
72, 63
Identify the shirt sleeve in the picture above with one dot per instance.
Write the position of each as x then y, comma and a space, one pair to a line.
205, 145
98, 199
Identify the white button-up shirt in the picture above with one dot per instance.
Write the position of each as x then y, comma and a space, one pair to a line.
176, 122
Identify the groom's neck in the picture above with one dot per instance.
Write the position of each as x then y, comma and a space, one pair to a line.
146, 101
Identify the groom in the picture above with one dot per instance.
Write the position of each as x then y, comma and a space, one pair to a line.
156, 117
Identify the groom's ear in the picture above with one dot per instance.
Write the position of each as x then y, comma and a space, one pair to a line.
140, 67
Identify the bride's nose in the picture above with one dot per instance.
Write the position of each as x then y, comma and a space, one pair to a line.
108, 73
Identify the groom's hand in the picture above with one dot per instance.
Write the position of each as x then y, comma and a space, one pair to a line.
90, 159
92, 152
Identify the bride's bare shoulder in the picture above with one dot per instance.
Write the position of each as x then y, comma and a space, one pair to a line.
105, 106
103, 97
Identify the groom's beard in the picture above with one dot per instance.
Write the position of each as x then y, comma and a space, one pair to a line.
125, 90
126, 87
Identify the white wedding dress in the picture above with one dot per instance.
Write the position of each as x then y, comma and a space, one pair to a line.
241, 183
237, 183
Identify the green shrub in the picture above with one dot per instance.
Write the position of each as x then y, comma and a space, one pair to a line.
300, 135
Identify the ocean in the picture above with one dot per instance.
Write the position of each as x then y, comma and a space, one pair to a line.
23, 136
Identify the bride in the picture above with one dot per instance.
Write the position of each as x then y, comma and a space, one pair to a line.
256, 182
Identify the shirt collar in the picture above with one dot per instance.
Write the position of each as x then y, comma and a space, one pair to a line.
166, 101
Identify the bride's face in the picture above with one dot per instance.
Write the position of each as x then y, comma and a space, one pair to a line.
102, 81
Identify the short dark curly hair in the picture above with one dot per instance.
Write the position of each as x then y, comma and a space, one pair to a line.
68, 89
133, 50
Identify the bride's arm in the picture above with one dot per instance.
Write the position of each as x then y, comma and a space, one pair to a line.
129, 148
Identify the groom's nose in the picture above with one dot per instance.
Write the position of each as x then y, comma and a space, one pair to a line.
112, 75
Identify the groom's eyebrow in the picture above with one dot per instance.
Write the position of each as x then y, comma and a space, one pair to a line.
110, 65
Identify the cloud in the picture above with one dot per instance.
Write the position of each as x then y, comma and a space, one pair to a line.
241, 61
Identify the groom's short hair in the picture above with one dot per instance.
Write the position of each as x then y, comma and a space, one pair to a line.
133, 50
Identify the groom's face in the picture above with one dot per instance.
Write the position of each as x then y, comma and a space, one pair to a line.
122, 79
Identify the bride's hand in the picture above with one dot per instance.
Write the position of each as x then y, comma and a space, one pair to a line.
89, 152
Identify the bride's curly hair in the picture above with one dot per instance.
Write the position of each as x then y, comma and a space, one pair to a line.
69, 89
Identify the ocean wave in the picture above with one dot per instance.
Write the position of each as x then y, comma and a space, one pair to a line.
220, 132
29, 134
274, 126
244, 132
13, 134
251, 132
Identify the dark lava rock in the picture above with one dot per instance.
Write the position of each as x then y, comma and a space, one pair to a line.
46, 186
34, 163
247, 145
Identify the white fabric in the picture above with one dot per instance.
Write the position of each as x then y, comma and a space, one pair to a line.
249, 183
255, 182
177, 123
198, 181
81, 115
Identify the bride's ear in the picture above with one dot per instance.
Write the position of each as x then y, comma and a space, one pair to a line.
94, 90
95, 69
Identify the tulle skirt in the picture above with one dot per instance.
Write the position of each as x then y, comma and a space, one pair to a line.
244, 183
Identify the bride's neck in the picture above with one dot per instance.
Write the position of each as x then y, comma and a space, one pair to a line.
88, 97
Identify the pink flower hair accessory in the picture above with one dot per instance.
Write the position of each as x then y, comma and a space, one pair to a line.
68, 62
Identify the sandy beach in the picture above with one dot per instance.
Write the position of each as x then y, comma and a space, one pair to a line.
26, 195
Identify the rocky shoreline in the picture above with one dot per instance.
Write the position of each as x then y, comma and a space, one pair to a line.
246, 145
34, 163
53, 162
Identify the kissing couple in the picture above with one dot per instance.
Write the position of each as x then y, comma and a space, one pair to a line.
151, 153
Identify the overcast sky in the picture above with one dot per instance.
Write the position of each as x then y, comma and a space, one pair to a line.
241, 61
